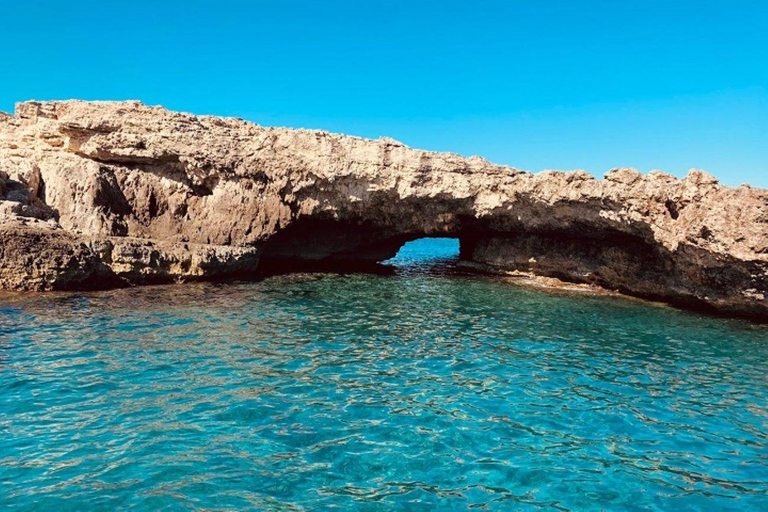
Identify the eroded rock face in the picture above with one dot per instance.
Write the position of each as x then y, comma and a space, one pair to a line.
37, 256
156, 196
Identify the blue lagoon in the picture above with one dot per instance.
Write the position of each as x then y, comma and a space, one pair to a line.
425, 389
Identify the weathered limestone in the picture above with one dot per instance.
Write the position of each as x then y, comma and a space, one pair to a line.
36, 256
148, 195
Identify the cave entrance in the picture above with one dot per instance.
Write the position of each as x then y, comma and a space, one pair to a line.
426, 252
332, 246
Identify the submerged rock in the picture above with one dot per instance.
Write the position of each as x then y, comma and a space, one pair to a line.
123, 193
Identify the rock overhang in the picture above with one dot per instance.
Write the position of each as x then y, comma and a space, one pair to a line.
119, 171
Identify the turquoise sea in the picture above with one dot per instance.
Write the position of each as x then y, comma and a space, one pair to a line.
425, 389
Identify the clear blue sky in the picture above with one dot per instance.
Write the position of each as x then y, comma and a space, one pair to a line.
534, 84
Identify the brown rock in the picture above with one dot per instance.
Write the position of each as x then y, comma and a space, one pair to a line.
34, 256
625, 175
159, 195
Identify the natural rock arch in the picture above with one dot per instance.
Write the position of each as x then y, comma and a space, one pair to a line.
134, 194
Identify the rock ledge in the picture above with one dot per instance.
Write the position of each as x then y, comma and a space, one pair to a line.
102, 194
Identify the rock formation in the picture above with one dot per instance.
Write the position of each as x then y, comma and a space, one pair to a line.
102, 194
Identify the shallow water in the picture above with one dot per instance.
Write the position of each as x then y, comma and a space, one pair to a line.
426, 390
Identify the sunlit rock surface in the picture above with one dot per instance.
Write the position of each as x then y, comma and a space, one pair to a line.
101, 194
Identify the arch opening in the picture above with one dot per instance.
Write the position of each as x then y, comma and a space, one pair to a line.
425, 251
330, 245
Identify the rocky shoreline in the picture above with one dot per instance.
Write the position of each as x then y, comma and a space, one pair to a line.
108, 194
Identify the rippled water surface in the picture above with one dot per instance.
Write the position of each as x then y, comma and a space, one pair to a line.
415, 391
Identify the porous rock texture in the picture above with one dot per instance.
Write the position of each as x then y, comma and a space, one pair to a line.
101, 194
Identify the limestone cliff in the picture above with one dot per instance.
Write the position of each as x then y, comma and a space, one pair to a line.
97, 194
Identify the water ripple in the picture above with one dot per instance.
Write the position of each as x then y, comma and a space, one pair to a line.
417, 391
